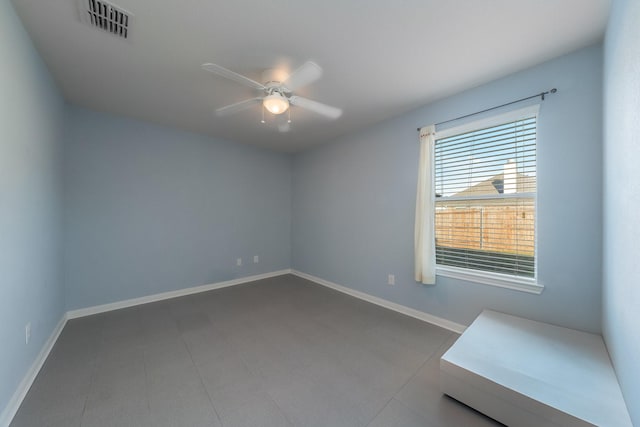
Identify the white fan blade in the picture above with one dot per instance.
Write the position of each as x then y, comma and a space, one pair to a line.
307, 73
316, 107
221, 71
284, 127
238, 106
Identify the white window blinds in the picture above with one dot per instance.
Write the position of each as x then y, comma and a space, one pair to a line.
485, 187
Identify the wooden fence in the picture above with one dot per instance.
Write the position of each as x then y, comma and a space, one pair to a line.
492, 228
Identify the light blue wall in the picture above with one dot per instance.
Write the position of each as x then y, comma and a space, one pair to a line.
354, 202
30, 122
621, 287
150, 209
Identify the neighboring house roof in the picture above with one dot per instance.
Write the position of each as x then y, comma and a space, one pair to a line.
495, 185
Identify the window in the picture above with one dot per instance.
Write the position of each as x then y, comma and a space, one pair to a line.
485, 199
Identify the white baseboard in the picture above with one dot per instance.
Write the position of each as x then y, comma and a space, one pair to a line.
73, 314
18, 396
16, 400
421, 315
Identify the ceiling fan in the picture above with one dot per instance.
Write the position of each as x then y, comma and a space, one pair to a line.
277, 92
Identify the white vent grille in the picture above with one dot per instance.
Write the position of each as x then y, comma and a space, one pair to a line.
106, 17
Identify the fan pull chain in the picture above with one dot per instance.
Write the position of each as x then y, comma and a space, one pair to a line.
262, 121
289, 120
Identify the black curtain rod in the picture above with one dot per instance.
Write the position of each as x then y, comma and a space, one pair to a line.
541, 95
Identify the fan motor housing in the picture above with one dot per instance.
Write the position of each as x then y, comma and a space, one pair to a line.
273, 78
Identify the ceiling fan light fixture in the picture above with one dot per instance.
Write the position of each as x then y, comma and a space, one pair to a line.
276, 103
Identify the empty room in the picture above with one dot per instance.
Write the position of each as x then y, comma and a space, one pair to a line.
319, 213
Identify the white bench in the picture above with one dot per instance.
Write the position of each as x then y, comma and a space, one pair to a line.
526, 373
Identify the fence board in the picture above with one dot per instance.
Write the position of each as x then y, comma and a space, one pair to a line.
493, 228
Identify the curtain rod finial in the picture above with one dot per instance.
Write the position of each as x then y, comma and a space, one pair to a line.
554, 90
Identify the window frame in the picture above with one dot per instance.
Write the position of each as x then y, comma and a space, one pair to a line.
518, 283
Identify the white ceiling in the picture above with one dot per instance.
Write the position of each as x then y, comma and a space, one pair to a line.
380, 58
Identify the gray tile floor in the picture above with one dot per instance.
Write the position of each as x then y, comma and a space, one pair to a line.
278, 352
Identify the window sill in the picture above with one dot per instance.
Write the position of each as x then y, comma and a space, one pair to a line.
521, 284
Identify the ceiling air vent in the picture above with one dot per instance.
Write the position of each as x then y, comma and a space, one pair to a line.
106, 17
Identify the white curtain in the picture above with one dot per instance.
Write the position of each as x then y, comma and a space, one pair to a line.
425, 242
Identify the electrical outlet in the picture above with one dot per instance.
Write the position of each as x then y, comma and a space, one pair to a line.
27, 332
239, 262
256, 259
391, 280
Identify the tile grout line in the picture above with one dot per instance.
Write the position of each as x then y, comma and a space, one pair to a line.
384, 402
256, 374
86, 398
146, 383
401, 387
144, 364
91, 381
284, 414
412, 377
195, 365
